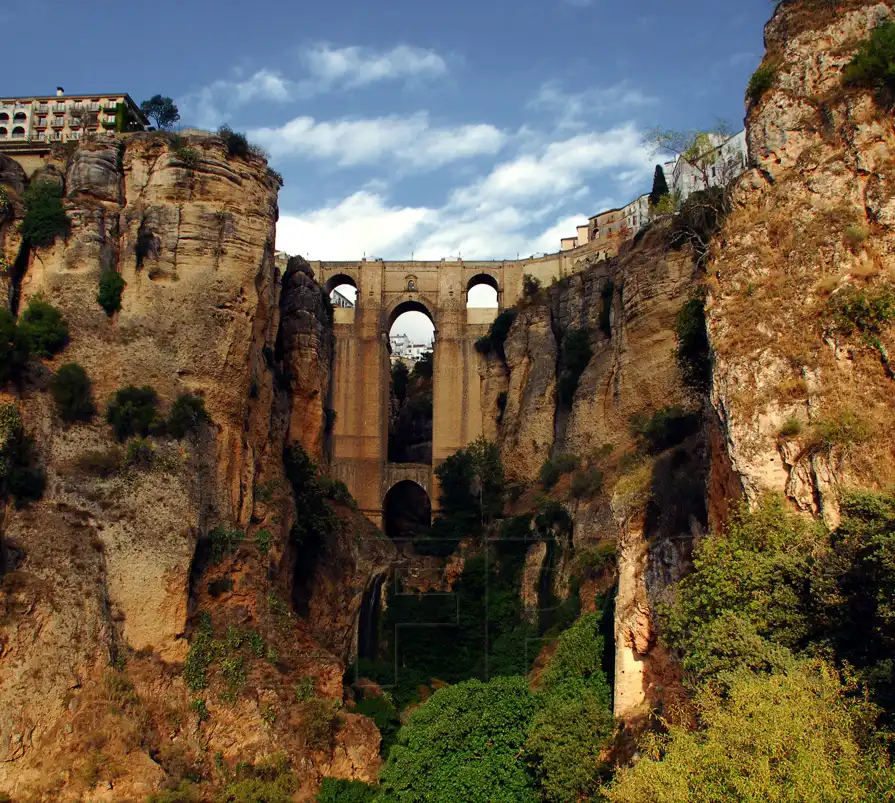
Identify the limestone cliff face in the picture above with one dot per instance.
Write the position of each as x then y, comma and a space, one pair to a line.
814, 218
628, 305
105, 568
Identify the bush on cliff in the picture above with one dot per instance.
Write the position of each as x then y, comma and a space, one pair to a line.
873, 66
187, 415
111, 286
20, 478
338, 790
237, 144
693, 356
784, 736
13, 347
575, 355
133, 411
497, 334
43, 328
45, 217
73, 393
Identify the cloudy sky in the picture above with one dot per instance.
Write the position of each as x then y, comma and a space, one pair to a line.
480, 128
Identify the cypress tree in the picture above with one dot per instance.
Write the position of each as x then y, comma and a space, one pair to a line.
660, 186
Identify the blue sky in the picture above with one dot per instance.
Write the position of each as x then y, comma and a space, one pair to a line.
481, 128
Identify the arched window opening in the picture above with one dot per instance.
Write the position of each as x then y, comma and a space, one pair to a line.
3, 132
18, 131
407, 512
342, 291
412, 340
4, 117
482, 292
19, 117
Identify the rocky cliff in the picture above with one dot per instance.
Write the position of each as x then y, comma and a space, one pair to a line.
106, 574
646, 506
803, 399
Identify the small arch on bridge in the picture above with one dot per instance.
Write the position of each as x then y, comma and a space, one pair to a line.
407, 511
482, 290
341, 288
408, 305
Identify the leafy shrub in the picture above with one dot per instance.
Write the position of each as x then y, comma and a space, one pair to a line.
783, 736
111, 286
497, 334
223, 542
73, 393
45, 217
845, 428
747, 589
463, 746
19, 477
187, 415
791, 427
869, 312
338, 790
262, 540
554, 467
237, 144
761, 81
873, 66
592, 561
337, 491
698, 219
693, 344
13, 347
305, 689
184, 793
574, 358
665, 428
188, 156
268, 781
385, 715
43, 328
531, 286
587, 483
132, 411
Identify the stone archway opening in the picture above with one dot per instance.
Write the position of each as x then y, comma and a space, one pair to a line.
482, 292
411, 394
407, 512
342, 291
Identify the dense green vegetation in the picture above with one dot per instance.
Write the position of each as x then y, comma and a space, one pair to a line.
187, 415
20, 477
492, 343
133, 411
111, 286
45, 217
761, 81
575, 354
43, 328
874, 64
73, 393
693, 357
13, 347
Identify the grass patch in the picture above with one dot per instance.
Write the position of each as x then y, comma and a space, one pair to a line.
791, 428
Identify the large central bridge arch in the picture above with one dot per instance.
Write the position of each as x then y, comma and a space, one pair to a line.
360, 395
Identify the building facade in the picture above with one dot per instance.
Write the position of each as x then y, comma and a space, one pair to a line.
30, 123
724, 160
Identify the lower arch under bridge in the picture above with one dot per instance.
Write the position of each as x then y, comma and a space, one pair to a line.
360, 389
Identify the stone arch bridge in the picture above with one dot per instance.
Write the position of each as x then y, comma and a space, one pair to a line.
360, 392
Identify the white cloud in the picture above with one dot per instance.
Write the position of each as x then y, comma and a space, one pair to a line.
517, 208
360, 223
412, 140
327, 69
572, 109
358, 66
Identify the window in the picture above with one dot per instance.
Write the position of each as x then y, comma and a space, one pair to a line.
3, 132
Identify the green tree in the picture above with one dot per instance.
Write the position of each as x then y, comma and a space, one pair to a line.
133, 411
73, 393
874, 64
794, 736
463, 745
400, 378
111, 286
333, 790
45, 217
43, 328
13, 347
660, 186
424, 365
746, 601
693, 357
187, 415
162, 110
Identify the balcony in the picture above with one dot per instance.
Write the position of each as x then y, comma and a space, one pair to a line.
40, 123
75, 135
58, 122
110, 108
42, 108
74, 123
56, 136
93, 107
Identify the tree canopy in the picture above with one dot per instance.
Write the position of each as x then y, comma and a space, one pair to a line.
162, 110
660, 186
